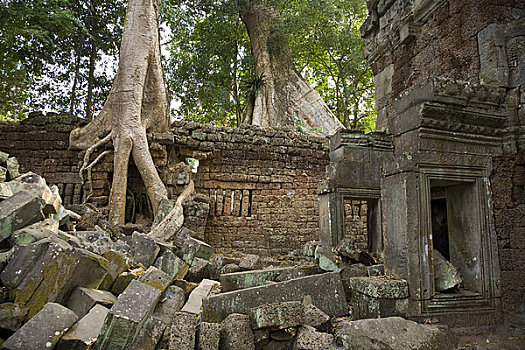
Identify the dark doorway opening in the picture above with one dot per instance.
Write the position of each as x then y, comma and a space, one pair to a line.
440, 238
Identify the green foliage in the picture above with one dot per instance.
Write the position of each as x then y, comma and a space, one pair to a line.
211, 72
209, 57
327, 47
41, 44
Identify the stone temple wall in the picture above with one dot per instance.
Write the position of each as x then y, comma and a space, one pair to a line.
475, 45
410, 40
261, 184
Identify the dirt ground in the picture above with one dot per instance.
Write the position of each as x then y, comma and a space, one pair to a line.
499, 338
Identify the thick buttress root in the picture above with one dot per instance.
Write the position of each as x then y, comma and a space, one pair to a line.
137, 103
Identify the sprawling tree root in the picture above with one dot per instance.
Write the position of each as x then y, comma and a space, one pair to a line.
137, 103
166, 230
284, 98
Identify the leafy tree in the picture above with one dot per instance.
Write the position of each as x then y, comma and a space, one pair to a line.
210, 47
327, 47
49, 50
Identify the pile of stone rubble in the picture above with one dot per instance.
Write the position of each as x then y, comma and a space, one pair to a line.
70, 280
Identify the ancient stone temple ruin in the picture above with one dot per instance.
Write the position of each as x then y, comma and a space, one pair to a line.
446, 178
423, 219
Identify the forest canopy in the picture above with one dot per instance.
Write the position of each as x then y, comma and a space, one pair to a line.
61, 55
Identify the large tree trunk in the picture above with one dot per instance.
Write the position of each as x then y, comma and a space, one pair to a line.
137, 102
284, 98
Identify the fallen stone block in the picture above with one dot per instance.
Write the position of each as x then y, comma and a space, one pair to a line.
84, 299
85, 332
182, 332
191, 248
230, 268
128, 316
5, 190
43, 330
446, 275
18, 211
96, 241
250, 262
117, 265
247, 279
308, 338
208, 336
155, 278
314, 317
378, 297
325, 290
194, 303
165, 207
12, 316
3, 177
143, 249
199, 271
3, 157
27, 236
186, 286
236, 333
47, 270
172, 265
150, 335
376, 270
327, 259
352, 252
277, 315
393, 333
13, 168
124, 279
172, 303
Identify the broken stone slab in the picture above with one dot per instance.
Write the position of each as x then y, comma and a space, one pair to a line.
3, 157
165, 207
172, 303
124, 279
191, 248
378, 297
194, 303
143, 249
230, 268
314, 317
236, 333
150, 335
380, 287
393, 333
172, 265
351, 251
446, 275
208, 336
83, 299
3, 176
43, 330
376, 270
48, 270
20, 210
308, 338
182, 332
327, 259
247, 279
84, 333
12, 316
13, 168
5, 190
155, 278
325, 290
28, 235
117, 265
277, 315
128, 316
5, 257
199, 271
250, 262
96, 241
